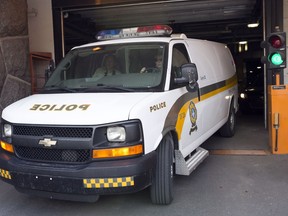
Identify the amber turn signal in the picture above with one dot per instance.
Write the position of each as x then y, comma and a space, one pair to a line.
6, 146
118, 152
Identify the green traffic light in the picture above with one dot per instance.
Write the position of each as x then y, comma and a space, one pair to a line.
276, 58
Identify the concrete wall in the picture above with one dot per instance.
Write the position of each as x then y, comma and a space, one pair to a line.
14, 52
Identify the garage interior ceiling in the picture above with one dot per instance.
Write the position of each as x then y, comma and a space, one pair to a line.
218, 20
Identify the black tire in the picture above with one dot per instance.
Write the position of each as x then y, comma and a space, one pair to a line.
161, 190
228, 129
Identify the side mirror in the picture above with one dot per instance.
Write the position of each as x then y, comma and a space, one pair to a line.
49, 70
189, 76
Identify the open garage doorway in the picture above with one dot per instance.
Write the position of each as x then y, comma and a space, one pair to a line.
77, 22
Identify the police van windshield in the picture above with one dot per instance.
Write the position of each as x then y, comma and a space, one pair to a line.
117, 67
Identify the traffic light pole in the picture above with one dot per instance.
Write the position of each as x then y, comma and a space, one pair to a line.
273, 13
275, 62
275, 56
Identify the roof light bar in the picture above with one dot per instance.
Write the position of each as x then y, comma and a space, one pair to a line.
144, 31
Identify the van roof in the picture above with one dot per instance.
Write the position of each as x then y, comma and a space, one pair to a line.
131, 40
155, 33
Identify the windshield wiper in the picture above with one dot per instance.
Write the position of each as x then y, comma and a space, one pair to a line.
102, 87
58, 88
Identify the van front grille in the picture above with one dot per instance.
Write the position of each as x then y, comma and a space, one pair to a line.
53, 155
71, 132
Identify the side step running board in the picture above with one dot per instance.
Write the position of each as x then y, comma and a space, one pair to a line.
185, 167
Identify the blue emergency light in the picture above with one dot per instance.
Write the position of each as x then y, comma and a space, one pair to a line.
144, 31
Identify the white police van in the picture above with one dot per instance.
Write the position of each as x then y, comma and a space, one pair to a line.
132, 125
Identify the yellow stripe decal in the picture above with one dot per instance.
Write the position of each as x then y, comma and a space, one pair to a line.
228, 84
5, 174
208, 92
108, 182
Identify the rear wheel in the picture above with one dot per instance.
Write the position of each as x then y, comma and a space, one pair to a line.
162, 183
228, 129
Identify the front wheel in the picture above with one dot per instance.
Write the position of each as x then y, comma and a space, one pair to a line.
161, 190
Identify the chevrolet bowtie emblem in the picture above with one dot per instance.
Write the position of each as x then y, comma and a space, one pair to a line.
47, 142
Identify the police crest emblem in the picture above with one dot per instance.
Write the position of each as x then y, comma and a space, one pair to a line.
193, 116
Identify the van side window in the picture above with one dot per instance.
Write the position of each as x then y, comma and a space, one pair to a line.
179, 57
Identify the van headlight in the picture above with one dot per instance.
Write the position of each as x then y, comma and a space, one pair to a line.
120, 140
116, 134
7, 130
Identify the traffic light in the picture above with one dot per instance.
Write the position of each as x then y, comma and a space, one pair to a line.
276, 50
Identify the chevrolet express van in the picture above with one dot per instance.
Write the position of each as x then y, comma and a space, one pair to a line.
94, 130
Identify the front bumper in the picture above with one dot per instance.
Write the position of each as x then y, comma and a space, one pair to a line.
60, 181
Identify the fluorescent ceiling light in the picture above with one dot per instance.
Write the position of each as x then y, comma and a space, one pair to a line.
242, 42
253, 25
